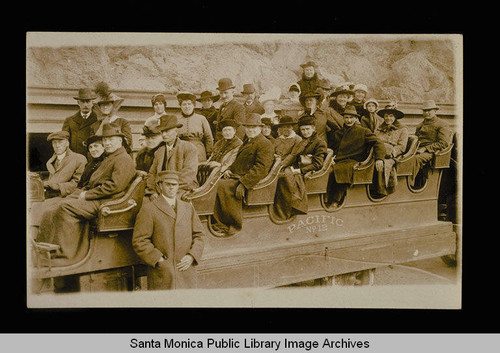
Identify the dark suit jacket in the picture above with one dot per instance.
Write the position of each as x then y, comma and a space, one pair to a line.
255, 107
355, 142
253, 161
233, 110
79, 131
313, 146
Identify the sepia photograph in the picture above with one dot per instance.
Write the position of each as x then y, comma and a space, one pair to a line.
244, 170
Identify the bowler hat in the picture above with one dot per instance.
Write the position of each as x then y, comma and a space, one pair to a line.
228, 122
360, 87
183, 96
92, 139
58, 135
225, 84
286, 120
429, 105
307, 120
111, 129
309, 63
350, 110
85, 94
248, 88
391, 108
253, 119
208, 95
168, 122
316, 94
167, 175
159, 98
341, 89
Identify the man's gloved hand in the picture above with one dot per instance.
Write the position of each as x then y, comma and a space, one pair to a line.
240, 192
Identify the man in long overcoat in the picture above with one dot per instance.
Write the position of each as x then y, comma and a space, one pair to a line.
109, 181
351, 144
168, 236
173, 154
229, 109
80, 126
253, 161
252, 104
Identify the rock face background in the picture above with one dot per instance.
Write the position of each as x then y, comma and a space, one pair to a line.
402, 70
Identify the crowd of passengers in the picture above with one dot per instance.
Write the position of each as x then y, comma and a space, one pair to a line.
93, 160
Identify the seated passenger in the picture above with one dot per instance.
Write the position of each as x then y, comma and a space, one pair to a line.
287, 138
338, 102
310, 79
159, 103
107, 105
433, 134
168, 236
65, 166
252, 104
269, 110
267, 129
95, 148
310, 101
174, 154
371, 119
308, 155
325, 89
394, 135
224, 151
145, 156
208, 110
67, 227
351, 145
293, 94
360, 91
230, 108
252, 163
195, 127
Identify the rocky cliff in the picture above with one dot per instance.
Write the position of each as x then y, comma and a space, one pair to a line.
402, 70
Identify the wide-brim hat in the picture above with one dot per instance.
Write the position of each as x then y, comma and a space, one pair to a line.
185, 96
341, 89
85, 94
228, 122
391, 110
248, 88
225, 84
350, 110
286, 120
111, 129
253, 119
307, 120
58, 135
308, 63
168, 122
208, 95
429, 104
316, 94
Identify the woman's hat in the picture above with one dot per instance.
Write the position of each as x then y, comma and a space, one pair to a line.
184, 96
371, 100
159, 98
225, 84
248, 88
286, 120
168, 122
306, 120
341, 89
208, 95
391, 108
316, 94
111, 129
267, 121
294, 87
429, 104
350, 110
150, 131
253, 119
85, 94
92, 139
360, 87
309, 63
228, 122
58, 135
104, 94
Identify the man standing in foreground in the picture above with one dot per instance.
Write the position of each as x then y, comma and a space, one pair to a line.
168, 236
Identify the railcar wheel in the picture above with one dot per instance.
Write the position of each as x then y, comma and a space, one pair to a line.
450, 260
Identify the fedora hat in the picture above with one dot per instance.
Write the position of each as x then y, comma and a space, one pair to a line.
85, 94
168, 122
371, 100
111, 129
309, 63
228, 122
350, 110
58, 135
391, 108
225, 84
307, 120
253, 119
316, 94
286, 120
208, 95
248, 88
341, 89
429, 104
184, 96
360, 87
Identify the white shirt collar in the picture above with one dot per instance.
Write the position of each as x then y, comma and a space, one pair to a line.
61, 156
292, 135
170, 201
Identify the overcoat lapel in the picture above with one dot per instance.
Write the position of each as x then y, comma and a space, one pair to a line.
163, 206
50, 164
182, 209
